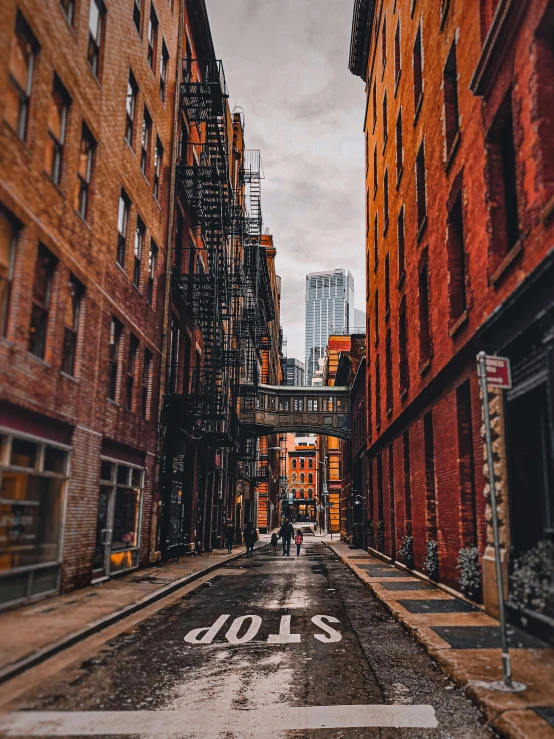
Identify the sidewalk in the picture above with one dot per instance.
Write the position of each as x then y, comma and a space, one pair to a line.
35, 632
462, 640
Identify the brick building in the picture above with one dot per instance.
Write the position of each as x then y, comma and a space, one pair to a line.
302, 471
83, 231
459, 191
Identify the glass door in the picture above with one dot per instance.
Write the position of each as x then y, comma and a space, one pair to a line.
101, 560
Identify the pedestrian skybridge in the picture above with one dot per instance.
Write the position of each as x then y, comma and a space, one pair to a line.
278, 409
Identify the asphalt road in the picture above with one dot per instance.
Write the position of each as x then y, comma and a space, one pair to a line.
272, 647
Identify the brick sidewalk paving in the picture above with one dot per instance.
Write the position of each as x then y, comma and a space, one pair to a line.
462, 640
35, 632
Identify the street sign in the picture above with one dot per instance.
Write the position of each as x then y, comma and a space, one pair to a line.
498, 372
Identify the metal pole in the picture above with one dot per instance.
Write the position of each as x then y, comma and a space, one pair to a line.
506, 662
325, 493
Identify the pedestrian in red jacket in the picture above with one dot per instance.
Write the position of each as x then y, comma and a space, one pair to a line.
298, 539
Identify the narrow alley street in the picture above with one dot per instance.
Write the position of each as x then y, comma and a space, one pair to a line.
298, 647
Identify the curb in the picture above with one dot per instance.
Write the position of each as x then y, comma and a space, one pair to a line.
102, 623
499, 722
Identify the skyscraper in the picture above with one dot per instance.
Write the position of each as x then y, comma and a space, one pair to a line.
293, 372
329, 309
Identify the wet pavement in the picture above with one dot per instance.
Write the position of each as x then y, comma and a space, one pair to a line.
272, 646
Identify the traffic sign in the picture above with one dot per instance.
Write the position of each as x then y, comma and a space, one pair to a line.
498, 372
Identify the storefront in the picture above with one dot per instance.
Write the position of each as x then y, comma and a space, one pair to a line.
118, 519
33, 480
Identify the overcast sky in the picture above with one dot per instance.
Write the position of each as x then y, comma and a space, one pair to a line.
286, 64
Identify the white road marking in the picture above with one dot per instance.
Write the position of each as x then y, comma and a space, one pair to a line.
284, 636
209, 632
232, 634
241, 723
332, 634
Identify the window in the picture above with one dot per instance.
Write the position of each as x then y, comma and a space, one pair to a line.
386, 202
152, 37
387, 286
57, 122
403, 347
113, 363
424, 328
420, 189
384, 43
430, 485
450, 81
302, 463
377, 393
388, 372
501, 156
42, 288
310, 478
294, 464
68, 7
8, 242
456, 260
400, 243
385, 121
375, 172
310, 463
164, 58
399, 148
71, 324
122, 225
302, 478
22, 61
145, 141
375, 242
131, 103
137, 15
374, 105
140, 232
96, 31
84, 173
158, 162
131, 370
397, 54
145, 390
152, 262
376, 315
418, 73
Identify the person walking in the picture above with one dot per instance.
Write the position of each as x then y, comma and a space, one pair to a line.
298, 539
229, 535
286, 532
250, 538
274, 542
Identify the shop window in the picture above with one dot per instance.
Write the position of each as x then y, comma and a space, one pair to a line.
450, 84
84, 173
158, 164
72, 316
145, 141
403, 346
57, 124
152, 37
8, 241
456, 260
116, 329
42, 287
55, 460
501, 155
131, 372
140, 234
24, 453
122, 226
424, 319
130, 108
399, 149
68, 7
96, 21
152, 274
137, 15
164, 59
23, 51
418, 72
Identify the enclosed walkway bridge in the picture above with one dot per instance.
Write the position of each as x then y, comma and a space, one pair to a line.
279, 409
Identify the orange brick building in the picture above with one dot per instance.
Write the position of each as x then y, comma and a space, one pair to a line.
459, 192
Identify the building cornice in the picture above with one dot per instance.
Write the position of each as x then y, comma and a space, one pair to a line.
360, 37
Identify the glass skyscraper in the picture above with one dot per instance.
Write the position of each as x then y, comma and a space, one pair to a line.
329, 309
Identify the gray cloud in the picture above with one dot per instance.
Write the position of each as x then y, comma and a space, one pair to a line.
286, 65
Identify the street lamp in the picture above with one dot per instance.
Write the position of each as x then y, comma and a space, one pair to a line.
325, 493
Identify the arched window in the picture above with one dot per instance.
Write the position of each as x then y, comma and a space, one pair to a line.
302, 476
311, 463
294, 476
294, 464
310, 493
310, 478
302, 494
302, 461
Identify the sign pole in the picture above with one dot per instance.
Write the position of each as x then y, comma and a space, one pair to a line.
507, 684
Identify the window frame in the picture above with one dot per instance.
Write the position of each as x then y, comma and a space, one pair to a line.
122, 234
71, 333
82, 194
41, 307
7, 278
23, 31
114, 358
138, 251
95, 42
